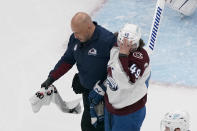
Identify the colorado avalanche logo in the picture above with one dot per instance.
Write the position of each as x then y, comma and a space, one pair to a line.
92, 52
110, 82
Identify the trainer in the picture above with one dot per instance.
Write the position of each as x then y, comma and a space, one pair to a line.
89, 47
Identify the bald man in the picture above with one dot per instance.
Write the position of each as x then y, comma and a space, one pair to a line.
82, 26
89, 47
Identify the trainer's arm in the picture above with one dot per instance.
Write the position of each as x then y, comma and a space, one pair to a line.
65, 63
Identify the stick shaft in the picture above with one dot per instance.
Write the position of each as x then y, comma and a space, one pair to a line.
155, 26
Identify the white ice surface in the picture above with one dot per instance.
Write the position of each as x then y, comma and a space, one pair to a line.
33, 36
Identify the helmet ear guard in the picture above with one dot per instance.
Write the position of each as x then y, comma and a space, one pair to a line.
175, 120
131, 32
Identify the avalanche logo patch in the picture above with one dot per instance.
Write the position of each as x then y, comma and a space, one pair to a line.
138, 55
110, 83
92, 52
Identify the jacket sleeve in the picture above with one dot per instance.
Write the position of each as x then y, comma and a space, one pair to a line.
65, 63
113, 41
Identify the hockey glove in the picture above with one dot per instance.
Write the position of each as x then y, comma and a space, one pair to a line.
97, 94
47, 83
45, 97
97, 114
42, 97
76, 85
96, 104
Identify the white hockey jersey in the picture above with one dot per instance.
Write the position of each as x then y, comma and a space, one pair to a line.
127, 80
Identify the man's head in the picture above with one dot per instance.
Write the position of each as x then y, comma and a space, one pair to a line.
82, 26
175, 121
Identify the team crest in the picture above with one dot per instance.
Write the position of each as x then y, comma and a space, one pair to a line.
138, 55
92, 52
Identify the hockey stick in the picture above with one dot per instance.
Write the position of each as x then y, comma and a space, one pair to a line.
155, 26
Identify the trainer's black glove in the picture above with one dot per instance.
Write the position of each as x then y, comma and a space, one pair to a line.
47, 83
76, 85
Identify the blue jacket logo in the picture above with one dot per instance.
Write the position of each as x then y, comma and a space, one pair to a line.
92, 52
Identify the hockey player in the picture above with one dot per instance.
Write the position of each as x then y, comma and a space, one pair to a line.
89, 48
125, 89
175, 121
185, 7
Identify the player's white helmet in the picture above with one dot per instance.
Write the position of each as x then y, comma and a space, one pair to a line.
174, 120
131, 32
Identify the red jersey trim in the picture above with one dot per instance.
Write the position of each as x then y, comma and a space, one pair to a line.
126, 110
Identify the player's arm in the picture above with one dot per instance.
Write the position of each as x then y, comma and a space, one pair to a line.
134, 69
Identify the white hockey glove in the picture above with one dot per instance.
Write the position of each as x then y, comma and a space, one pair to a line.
42, 97
46, 96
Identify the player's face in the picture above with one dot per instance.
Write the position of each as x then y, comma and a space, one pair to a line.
127, 42
134, 47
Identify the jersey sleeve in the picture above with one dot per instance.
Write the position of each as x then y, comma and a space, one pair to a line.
133, 66
65, 63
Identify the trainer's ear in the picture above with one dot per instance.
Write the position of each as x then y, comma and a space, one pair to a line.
116, 34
